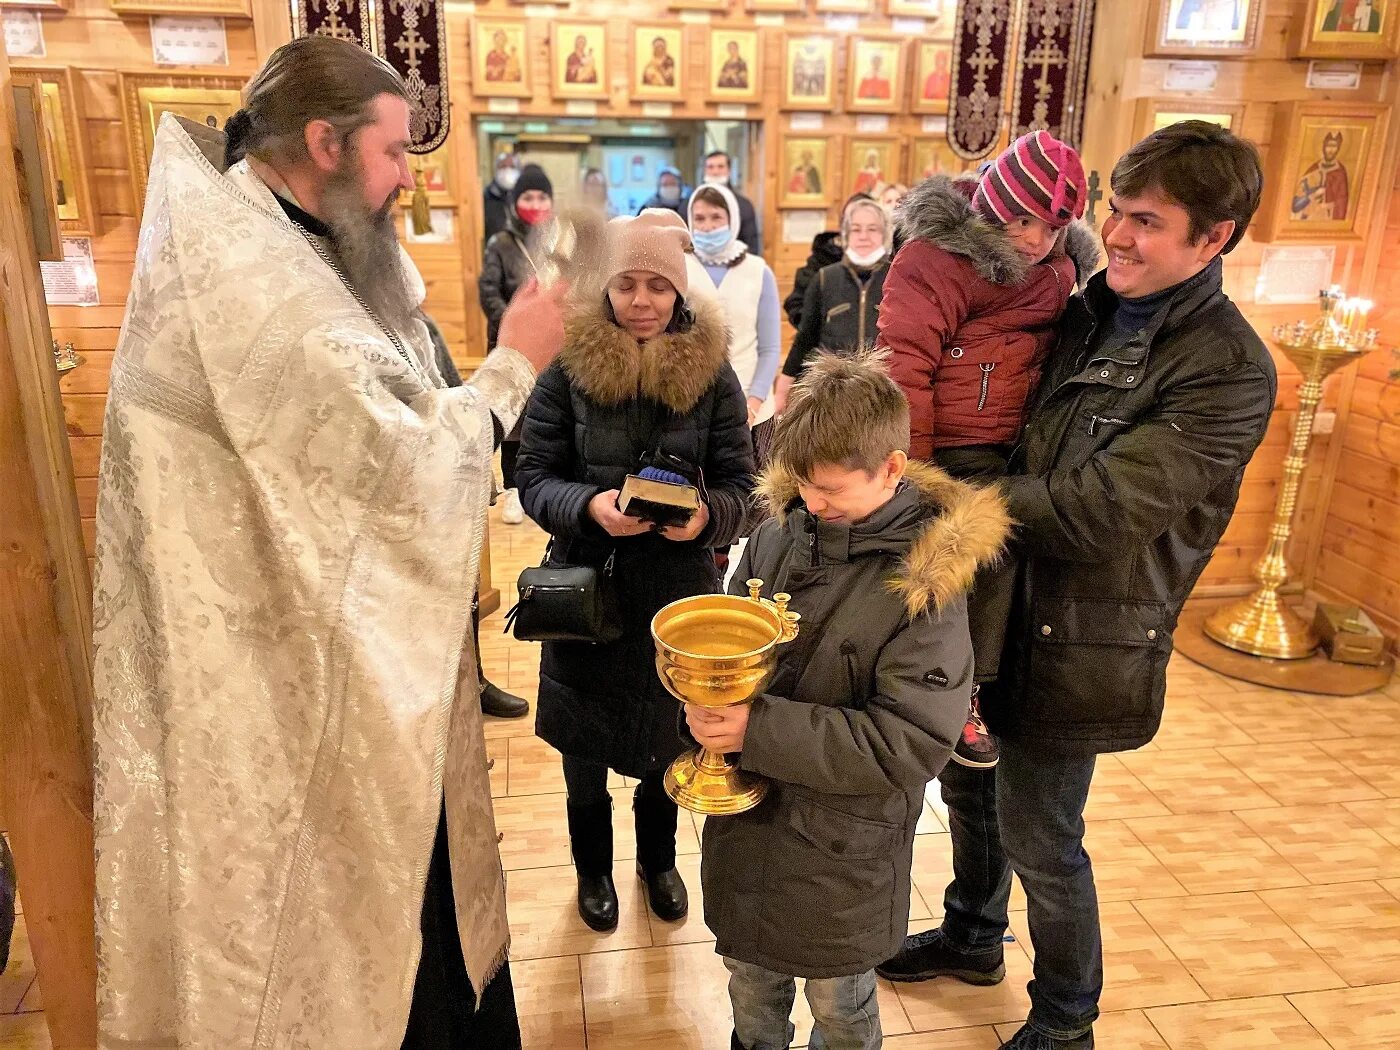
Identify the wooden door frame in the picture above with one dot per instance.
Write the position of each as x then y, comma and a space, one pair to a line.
46, 622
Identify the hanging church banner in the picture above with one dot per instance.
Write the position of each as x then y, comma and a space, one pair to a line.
1052, 69
982, 37
410, 35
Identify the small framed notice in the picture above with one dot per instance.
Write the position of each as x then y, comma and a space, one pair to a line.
806, 121
24, 34
188, 41
443, 228
581, 107
914, 27
802, 226
1294, 274
1191, 76
842, 23
1324, 75
658, 110
503, 105
872, 124
72, 282
732, 111
935, 125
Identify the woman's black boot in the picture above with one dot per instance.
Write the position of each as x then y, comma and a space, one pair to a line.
591, 841
655, 816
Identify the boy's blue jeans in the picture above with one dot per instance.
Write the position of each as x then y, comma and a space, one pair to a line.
846, 1011
1028, 813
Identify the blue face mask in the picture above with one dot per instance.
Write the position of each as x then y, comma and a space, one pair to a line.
711, 242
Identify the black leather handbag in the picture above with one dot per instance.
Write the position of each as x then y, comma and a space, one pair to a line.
567, 603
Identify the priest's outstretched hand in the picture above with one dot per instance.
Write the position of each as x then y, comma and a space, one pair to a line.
534, 322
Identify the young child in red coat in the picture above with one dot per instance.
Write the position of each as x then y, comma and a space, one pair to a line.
971, 310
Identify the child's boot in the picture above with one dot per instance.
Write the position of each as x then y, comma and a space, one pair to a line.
976, 748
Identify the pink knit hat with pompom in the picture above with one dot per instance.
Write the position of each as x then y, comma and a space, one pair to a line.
1037, 175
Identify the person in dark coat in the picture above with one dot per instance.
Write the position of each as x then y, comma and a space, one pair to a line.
718, 170
642, 372
877, 553
670, 193
495, 198
1125, 479
827, 249
842, 305
509, 265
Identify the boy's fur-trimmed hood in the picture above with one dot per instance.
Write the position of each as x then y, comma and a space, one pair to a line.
937, 211
964, 527
674, 369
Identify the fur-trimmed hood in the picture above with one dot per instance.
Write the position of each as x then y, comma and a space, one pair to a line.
940, 212
954, 529
674, 369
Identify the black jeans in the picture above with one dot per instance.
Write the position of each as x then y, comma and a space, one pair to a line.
1028, 814
444, 1014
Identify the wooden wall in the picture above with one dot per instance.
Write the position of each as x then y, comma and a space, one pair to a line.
1342, 465
1122, 78
1359, 546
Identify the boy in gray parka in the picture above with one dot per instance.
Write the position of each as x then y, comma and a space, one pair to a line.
864, 709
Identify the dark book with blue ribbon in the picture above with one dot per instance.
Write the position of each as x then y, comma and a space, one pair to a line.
660, 496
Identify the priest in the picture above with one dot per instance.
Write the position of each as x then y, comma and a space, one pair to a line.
292, 801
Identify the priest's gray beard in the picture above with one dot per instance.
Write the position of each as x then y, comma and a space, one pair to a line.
367, 245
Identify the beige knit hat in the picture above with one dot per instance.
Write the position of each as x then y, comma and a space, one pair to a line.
655, 241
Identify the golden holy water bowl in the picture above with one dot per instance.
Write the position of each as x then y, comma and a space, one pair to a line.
719, 650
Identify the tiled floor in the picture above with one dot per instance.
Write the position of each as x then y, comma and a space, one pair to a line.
1248, 865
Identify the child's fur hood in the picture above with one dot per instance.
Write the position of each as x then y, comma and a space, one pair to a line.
939, 212
967, 527
675, 369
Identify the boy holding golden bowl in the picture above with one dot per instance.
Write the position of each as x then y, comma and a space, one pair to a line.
864, 709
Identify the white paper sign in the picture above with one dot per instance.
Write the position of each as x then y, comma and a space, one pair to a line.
695, 18
733, 111
1191, 76
580, 107
24, 34
909, 26
657, 109
769, 19
541, 11
1334, 76
935, 125
188, 41
801, 227
503, 105
842, 23
872, 124
1294, 274
806, 121
443, 232
72, 282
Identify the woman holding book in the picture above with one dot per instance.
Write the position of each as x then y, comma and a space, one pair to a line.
641, 388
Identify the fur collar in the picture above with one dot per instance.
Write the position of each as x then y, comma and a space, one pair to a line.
938, 211
611, 367
967, 527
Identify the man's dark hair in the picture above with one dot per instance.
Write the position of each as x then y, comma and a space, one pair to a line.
718, 153
1213, 174
311, 78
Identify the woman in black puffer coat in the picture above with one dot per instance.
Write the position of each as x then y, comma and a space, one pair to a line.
639, 372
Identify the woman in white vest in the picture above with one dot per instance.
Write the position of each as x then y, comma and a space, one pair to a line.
745, 287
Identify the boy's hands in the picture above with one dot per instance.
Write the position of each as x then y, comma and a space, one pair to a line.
721, 729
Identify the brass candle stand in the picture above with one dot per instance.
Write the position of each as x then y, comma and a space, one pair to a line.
719, 650
1261, 624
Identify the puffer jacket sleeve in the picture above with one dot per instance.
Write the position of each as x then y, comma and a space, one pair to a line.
900, 739
809, 333
793, 305
923, 306
491, 286
545, 468
729, 464
1197, 437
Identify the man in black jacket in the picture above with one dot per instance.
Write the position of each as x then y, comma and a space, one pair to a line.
1127, 474
717, 173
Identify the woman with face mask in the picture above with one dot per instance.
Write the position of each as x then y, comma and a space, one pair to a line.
842, 302
508, 265
670, 193
745, 287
